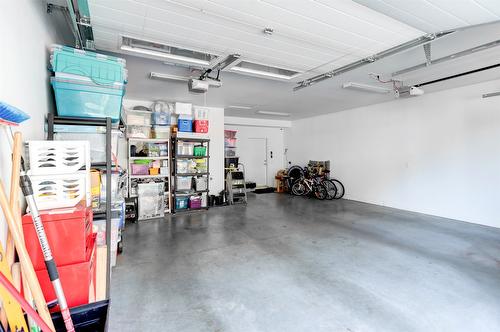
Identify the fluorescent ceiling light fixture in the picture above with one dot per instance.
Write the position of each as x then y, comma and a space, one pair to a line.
366, 87
240, 107
168, 77
226, 62
163, 51
492, 94
255, 69
273, 113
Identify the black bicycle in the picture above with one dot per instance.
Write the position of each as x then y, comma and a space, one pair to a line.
309, 185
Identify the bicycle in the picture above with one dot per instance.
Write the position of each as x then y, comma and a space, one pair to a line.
306, 185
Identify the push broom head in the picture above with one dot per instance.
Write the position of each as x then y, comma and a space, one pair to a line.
11, 116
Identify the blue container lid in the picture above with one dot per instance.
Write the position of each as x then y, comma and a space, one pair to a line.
99, 67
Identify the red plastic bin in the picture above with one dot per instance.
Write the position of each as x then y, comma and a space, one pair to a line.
77, 280
68, 230
229, 133
229, 142
201, 126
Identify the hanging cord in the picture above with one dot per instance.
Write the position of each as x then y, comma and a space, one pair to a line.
395, 83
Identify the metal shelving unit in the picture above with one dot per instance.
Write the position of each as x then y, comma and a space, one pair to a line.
53, 120
165, 177
175, 157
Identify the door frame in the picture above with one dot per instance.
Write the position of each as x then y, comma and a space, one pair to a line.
266, 161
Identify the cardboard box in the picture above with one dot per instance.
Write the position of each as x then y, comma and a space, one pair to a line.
95, 188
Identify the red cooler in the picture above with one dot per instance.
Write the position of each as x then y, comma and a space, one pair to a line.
201, 126
68, 230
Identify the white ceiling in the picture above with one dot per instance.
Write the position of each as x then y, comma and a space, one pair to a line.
437, 15
312, 36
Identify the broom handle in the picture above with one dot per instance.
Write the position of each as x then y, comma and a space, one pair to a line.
16, 210
14, 193
50, 263
25, 260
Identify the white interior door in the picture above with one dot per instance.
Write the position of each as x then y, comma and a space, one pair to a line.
254, 157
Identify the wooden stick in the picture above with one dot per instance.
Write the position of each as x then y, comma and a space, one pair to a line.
14, 200
100, 266
14, 192
16, 276
26, 264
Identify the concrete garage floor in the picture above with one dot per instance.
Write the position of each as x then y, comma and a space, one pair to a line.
287, 263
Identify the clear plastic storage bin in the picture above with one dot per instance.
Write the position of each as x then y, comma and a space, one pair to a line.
184, 182
100, 68
201, 183
161, 118
185, 148
86, 99
161, 131
138, 131
137, 117
230, 152
181, 202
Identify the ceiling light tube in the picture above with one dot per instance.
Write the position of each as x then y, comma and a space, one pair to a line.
366, 87
491, 94
163, 55
168, 77
239, 107
228, 61
273, 113
261, 73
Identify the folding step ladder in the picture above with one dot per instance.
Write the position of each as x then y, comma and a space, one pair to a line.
236, 187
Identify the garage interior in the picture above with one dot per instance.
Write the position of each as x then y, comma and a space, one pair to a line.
276, 165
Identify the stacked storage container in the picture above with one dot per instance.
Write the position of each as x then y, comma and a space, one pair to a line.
87, 84
230, 149
138, 123
69, 232
162, 113
201, 119
61, 190
185, 117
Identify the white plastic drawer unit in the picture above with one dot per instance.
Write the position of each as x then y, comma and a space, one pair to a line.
58, 157
59, 191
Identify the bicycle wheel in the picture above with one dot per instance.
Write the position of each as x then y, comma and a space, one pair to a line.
299, 188
340, 188
331, 189
320, 192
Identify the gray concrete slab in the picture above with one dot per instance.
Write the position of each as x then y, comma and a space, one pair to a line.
287, 263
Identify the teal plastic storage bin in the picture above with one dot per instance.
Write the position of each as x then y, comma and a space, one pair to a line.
100, 68
181, 202
84, 99
185, 125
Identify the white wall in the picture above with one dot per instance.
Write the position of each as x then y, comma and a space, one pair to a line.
275, 144
26, 31
437, 154
215, 133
